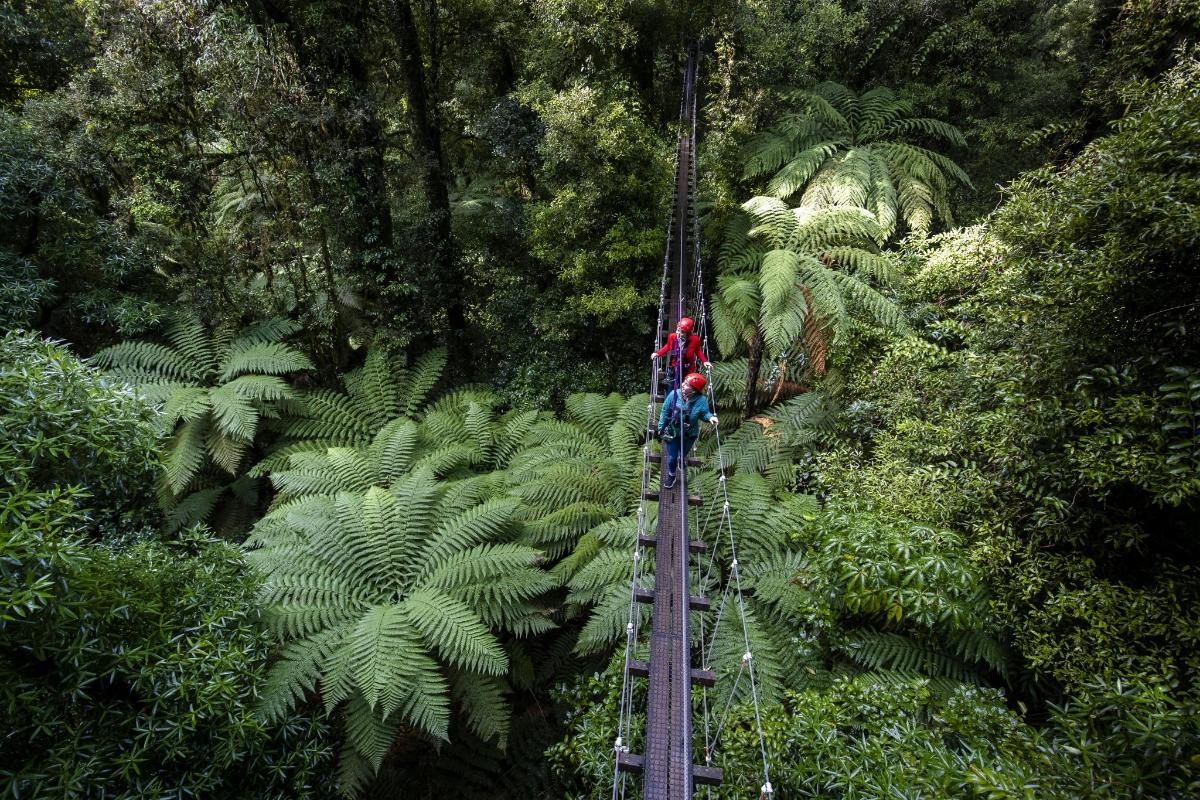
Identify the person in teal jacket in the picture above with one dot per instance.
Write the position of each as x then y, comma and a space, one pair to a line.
679, 422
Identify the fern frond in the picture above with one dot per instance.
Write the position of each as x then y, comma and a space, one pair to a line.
147, 358
450, 627
369, 734
606, 622
421, 378
268, 358
185, 454
488, 521
394, 449
883, 650
483, 700
275, 329
260, 388
235, 416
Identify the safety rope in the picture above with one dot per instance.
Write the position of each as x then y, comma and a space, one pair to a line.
747, 663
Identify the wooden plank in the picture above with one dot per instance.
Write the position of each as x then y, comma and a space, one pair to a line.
696, 602
693, 500
634, 764
707, 776
694, 546
700, 677
630, 762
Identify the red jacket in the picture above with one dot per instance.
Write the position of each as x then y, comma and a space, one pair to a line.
693, 356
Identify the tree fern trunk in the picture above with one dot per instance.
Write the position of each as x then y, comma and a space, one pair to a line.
753, 367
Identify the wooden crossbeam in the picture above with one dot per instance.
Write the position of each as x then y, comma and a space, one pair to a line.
693, 499
694, 546
633, 764
696, 602
700, 677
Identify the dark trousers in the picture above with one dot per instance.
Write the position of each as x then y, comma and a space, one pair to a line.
677, 450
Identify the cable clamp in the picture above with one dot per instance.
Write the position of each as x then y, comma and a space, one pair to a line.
726, 508
629, 628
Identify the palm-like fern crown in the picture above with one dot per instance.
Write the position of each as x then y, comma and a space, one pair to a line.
391, 602
215, 388
577, 473
459, 435
845, 149
375, 395
794, 273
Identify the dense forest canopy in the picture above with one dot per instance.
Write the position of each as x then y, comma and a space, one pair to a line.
323, 390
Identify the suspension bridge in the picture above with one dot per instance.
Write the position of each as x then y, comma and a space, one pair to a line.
678, 642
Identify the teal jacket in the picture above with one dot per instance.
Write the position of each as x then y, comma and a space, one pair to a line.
692, 412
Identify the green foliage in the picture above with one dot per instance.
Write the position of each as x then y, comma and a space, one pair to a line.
65, 268
1010, 497
826, 593
64, 424
845, 149
214, 389
787, 271
385, 599
1043, 405
22, 291
158, 638
458, 435
378, 396
109, 633
582, 471
877, 736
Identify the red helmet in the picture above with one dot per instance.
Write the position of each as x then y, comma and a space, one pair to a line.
686, 324
696, 381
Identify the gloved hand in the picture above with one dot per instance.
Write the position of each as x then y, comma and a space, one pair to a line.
713, 420
654, 356
708, 366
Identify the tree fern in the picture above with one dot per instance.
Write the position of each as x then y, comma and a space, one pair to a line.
376, 394
461, 434
391, 603
792, 280
215, 389
841, 148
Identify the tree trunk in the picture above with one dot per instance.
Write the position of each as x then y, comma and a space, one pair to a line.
427, 133
753, 367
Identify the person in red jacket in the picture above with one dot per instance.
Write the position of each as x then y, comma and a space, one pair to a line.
686, 343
